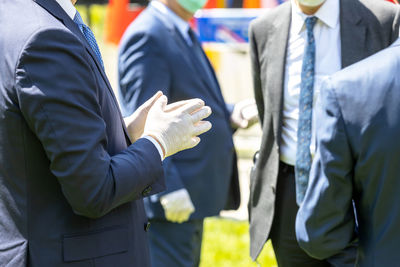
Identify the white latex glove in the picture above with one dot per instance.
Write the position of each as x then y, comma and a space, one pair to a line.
135, 122
244, 114
177, 126
177, 206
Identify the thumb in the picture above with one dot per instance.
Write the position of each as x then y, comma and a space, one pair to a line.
146, 106
161, 102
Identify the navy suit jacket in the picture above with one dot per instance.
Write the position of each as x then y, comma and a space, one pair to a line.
71, 184
154, 56
357, 157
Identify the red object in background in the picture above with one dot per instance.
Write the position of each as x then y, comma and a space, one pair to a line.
118, 18
120, 14
393, 1
211, 4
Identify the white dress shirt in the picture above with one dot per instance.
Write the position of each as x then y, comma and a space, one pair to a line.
71, 11
327, 61
68, 7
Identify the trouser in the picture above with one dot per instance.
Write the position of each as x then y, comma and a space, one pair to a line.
283, 236
175, 244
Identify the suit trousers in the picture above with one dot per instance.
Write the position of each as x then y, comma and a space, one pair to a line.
283, 236
175, 244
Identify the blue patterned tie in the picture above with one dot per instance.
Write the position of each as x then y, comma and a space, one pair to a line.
89, 36
303, 155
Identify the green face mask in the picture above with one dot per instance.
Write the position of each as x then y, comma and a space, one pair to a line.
192, 5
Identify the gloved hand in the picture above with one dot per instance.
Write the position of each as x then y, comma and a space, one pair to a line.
135, 122
176, 126
177, 206
244, 114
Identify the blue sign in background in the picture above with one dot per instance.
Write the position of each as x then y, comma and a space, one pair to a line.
225, 25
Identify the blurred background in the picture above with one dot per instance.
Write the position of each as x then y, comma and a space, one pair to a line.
223, 29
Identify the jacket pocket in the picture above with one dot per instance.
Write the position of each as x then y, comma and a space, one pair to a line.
95, 244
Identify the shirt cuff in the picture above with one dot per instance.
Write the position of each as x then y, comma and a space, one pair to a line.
155, 143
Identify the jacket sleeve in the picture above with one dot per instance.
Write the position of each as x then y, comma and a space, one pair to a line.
325, 222
144, 70
58, 96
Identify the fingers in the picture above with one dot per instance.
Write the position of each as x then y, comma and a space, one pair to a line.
161, 102
185, 214
153, 99
246, 102
200, 114
194, 141
191, 105
175, 105
201, 127
242, 123
150, 102
171, 216
249, 112
179, 215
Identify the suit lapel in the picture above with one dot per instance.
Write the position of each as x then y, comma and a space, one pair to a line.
189, 56
352, 32
218, 91
53, 8
178, 38
276, 58
211, 85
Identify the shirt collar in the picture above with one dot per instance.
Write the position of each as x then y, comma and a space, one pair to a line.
328, 14
68, 7
179, 23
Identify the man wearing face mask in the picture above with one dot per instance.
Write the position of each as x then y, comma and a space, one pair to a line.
293, 48
159, 51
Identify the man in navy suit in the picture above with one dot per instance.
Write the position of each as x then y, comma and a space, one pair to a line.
357, 158
72, 176
159, 51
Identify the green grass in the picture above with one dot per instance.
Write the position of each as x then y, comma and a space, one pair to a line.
226, 244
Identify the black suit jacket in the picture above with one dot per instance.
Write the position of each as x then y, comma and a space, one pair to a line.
70, 181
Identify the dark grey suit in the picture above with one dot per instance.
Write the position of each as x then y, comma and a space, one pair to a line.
360, 161
71, 184
366, 27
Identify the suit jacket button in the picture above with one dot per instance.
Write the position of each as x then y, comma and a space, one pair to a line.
146, 191
147, 226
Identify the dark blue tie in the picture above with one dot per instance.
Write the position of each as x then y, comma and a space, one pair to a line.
89, 36
303, 155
